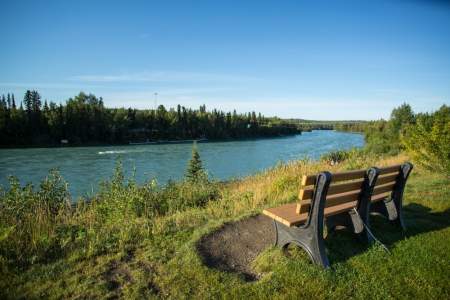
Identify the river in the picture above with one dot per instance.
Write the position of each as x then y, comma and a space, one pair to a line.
85, 167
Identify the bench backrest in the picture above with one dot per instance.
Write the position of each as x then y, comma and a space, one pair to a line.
343, 193
386, 181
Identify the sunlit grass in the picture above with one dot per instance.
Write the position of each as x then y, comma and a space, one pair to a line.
121, 251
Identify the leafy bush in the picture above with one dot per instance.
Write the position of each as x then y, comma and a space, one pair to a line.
383, 137
42, 225
29, 219
335, 157
183, 195
354, 158
428, 141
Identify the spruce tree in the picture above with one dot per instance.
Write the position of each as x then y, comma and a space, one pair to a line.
9, 101
13, 102
195, 171
28, 102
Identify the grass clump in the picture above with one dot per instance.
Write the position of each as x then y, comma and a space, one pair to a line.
30, 219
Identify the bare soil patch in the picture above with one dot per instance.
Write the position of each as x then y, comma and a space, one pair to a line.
234, 246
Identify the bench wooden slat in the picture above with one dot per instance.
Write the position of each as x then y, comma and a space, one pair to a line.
350, 175
387, 187
307, 193
386, 178
308, 180
332, 200
286, 214
390, 169
342, 198
381, 196
336, 177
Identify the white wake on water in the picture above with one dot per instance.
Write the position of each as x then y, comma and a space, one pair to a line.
113, 152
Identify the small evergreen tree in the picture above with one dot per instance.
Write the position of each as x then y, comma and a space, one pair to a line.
195, 171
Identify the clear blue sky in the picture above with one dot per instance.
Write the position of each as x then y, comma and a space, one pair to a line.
303, 59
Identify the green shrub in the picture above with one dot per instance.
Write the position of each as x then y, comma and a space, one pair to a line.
383, 137
183, 195
41, 225
335, 157
29, 219
428, 141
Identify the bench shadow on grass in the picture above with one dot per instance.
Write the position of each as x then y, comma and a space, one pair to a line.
228, 249
342, 245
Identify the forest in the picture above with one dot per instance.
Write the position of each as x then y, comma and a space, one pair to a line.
85, 120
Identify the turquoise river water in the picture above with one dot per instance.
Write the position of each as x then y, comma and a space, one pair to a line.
85, 167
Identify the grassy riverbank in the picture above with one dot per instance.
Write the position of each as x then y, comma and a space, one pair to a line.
140, 241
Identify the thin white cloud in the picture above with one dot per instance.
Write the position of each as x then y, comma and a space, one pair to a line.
163, 76
47, 85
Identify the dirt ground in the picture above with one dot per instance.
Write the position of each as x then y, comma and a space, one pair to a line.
234, 246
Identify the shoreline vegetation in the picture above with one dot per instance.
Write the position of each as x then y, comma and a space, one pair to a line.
135, 241
158, 142
84, 120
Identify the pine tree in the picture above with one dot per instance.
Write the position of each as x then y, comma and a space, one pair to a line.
28, 102
9, 101
13, 102
36, 101
195, 171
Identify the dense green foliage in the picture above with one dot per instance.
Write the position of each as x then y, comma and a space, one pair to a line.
427, 140
351, 127
424, 136
384, 136
41, 225
84, 119
308, 125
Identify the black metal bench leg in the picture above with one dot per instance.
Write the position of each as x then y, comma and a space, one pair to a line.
357, 220
307, 238
310, 235
389, 210
353, 222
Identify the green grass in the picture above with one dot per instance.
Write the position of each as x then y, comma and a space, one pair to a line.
154, 254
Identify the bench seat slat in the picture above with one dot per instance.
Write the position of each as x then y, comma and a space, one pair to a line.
286, 214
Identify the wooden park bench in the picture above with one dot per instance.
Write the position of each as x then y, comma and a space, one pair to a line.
339, 199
